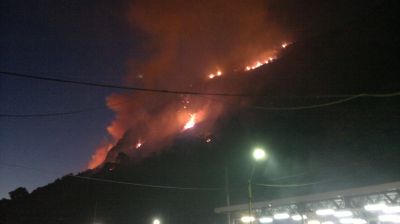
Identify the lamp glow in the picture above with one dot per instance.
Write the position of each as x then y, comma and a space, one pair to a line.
259, 154
247, 219
266, 219
156, 221
325, 212
392, 209
281, 216
375, 207
327, 222
313, 222
296, 217
343, 213
389, 218
352, 221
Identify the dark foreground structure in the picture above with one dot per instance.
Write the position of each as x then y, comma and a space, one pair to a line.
370, 204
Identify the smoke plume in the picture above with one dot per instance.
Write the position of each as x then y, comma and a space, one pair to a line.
184, 41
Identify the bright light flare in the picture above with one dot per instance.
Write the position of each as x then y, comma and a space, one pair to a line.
325, 212
314, 222
375, 207
343, 213
247, 219
328, 222
156, 221
191, 122
211, 76
392, 209
352, 221
389, 218
280, 216
266, 219
259, 154
298, 217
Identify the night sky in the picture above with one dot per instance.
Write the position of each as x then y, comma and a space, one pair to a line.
85, 41
91, 41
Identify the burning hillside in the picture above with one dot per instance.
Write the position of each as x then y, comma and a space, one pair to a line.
192, 46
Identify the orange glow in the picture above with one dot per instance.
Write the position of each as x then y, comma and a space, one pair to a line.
139, 144
191, 122
99, 156
213, 75
285, 44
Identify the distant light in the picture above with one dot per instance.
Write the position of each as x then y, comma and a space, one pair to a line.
219, 73
247, 219
389, 218
392, 209
324, 212
343, 213
352, 221
346, 220
259, 154
297, 217
281, 216
313, 222
328, 222
375, 207
266, 219
211, 76
156, 221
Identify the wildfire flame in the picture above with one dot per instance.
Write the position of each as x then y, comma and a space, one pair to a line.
258, 63
213, 75
184, 49
191, 122
139, 144
99, 155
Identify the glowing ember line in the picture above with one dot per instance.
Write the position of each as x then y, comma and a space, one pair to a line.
213, 75
191, 122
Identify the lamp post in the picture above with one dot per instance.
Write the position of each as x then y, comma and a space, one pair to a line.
259, 155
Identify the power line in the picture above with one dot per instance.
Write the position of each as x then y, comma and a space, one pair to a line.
147, 185
55, 114
313, 106
331, 103
144, 185
113, 86
292, 185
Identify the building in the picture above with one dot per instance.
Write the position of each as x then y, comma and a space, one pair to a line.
370, 204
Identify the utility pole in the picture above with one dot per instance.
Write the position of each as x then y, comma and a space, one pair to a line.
228, 199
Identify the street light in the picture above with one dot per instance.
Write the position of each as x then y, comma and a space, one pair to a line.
156, 221
259, 154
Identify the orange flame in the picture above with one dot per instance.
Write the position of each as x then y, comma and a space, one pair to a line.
99, 156
139, 144
191, 122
